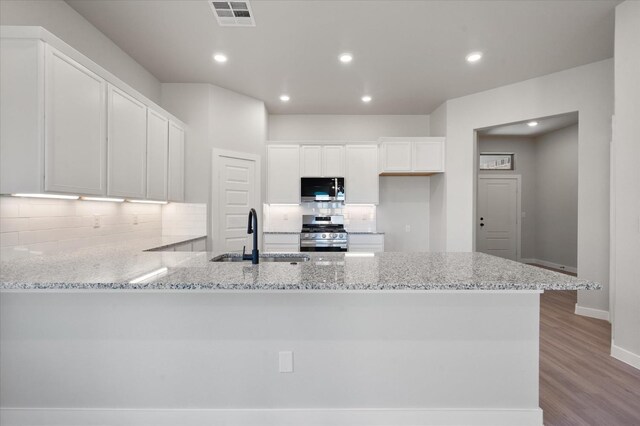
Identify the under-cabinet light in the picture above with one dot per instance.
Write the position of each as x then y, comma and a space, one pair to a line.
56, 196
147, 201
359, 254
149, 275
115, 200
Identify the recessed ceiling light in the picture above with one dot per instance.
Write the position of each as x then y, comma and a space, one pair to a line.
474, 57
284, 98
345, 58
532, 123
366, 98
219, 57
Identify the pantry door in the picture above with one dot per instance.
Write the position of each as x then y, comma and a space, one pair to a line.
236, 180
498, 221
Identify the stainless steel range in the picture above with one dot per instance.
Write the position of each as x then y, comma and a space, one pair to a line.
323, 233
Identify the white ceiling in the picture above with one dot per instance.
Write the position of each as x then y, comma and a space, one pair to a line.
545, 125
408, 55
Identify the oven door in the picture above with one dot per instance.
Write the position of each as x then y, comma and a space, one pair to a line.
323, 246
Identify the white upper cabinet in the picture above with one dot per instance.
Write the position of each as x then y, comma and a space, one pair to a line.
283, 174
428, 155
322, 161
311, 161
361, 180
396, 156
127, 146
69, 126
157, 156
176, 162
411, 155
75, 122
333, 161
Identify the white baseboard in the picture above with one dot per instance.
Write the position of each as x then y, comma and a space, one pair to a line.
625, 356
571, 269
269, 417
592, 313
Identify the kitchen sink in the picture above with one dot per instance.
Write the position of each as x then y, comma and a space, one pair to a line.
233, 257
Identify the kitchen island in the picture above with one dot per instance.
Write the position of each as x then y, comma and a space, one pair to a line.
120, 335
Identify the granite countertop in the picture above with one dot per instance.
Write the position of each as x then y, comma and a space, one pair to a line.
121, 267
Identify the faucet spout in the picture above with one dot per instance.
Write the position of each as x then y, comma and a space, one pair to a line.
252, 228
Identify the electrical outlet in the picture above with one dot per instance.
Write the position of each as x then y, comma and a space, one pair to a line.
285, 362
135, 219
96, 221
285, 216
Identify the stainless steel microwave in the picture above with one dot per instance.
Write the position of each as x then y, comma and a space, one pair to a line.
322, 189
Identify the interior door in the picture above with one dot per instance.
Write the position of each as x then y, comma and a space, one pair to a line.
497, 222
237, 194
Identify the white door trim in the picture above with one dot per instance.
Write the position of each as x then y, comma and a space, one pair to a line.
213, 239
518, 179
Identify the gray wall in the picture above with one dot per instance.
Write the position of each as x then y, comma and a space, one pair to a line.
67, 24
404, 201
215, 118
557, 196
302, 127
548, 165
625, 254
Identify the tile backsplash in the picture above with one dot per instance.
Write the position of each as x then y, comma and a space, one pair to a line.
46, 225
37, 225
288, 218
184, 219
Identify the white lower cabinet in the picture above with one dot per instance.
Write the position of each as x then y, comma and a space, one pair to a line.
366, 243
281, 243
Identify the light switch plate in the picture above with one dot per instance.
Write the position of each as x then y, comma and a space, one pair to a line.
96, 221
285, 363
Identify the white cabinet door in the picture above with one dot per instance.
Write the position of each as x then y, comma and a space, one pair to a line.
333, 161
428, 156
176, 163
157, 155
311, 161
396, 157
366, 243
283, 174
75, 132
281, 243
361, 180
127, 146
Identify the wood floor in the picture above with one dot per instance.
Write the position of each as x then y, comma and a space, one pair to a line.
580, 383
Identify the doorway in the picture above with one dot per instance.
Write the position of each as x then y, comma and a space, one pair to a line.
498, 225
541, 154
235, 190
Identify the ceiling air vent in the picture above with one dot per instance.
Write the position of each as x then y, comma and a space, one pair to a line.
233, 13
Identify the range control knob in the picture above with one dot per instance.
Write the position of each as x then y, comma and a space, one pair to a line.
341, 236
334, 235
324, 235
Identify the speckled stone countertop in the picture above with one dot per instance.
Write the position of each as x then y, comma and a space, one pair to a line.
114, 267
